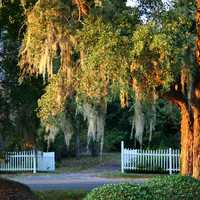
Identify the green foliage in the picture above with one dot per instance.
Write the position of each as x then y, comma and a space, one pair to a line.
61, 195
150, 54
162, 49
119, 192
166, 133
160, 188
102, 54
52, 101
174, 187
11, 18
18, 124
104, 59
113, 140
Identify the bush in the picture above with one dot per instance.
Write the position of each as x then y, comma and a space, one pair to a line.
113, 138
11, 190
161, 188
174, 188
119, 192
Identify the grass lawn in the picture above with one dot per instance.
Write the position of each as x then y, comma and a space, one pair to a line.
118, 175
61, 195
86, 162
73, 165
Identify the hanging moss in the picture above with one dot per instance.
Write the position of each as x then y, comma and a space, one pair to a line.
48, 35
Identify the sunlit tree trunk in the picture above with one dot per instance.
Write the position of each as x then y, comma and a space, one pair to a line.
196, 108
186, 141
196, 127
196, 144
186, 131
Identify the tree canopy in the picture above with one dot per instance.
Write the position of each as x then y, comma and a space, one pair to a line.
89, 52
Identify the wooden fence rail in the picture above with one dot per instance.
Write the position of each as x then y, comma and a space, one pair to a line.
161, 160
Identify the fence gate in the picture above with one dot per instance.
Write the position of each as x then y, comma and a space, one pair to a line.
46, 161
162, 160
23, 161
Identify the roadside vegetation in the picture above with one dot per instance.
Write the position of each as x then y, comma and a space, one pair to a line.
161, 188
61, 195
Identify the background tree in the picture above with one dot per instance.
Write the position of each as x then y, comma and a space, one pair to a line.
19, 122
168, 50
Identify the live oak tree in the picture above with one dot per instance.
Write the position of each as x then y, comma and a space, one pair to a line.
164, 60
103, 70
52, 40
98, 59
48, 50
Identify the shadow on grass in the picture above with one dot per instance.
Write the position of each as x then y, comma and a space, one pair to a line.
61, 195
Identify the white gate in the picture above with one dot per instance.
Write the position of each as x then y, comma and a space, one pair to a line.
23, 161
150, 160
46, 161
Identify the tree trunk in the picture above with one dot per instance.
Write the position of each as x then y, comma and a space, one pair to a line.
186, 141
196, 109
196, 144
186, 159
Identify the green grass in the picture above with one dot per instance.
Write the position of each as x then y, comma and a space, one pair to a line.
126, 175
61, 195
86, 162
73, 165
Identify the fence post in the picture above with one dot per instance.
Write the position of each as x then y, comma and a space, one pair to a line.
122, 156
170, 161
34, 161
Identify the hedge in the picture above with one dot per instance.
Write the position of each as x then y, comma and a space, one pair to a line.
160, 188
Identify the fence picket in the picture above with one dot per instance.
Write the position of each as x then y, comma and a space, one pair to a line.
150, 160
27, 161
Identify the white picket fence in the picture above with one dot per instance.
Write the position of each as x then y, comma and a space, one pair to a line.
23, 161
165, 160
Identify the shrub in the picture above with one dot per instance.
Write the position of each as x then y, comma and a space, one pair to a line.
113, 138
174, 188
11, 190
119, 192
160, 188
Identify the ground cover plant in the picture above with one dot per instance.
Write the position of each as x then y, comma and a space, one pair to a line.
61, 195
160, 188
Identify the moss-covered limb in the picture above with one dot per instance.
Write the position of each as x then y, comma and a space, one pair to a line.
48, 32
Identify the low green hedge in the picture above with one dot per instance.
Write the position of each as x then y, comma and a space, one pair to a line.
174, 188
161, 188
119, 192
